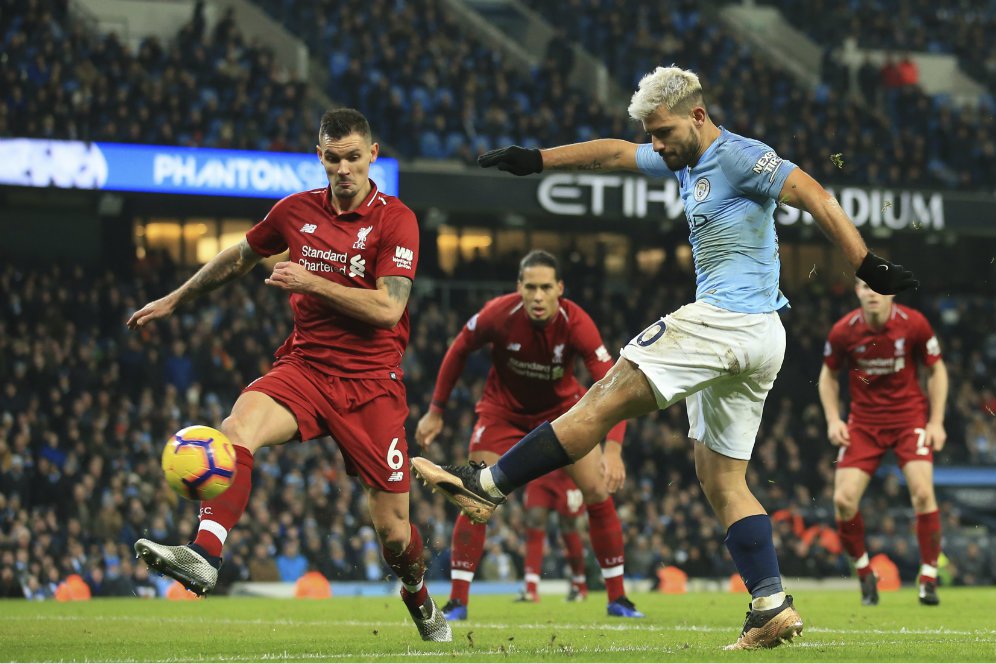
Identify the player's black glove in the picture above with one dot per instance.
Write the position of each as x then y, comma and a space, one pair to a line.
883, 277
513, 159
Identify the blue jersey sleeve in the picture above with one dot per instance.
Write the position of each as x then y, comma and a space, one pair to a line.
753, 168
650, 163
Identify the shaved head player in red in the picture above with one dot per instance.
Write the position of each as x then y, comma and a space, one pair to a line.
535, 334
353, 252
881, 343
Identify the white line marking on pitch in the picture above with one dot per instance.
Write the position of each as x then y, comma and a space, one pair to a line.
617, 627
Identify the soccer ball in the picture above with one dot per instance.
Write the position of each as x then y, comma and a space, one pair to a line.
199, 462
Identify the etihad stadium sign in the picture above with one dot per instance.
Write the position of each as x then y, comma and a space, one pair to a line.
165, 169
590, 195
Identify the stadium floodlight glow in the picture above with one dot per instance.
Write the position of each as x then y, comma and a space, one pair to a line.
166, 169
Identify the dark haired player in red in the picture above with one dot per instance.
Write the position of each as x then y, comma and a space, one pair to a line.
535, 335
881, 343
353, 252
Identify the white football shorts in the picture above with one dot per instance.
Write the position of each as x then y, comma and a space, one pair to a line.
723, 364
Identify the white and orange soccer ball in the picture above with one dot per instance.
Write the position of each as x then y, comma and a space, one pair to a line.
199, 462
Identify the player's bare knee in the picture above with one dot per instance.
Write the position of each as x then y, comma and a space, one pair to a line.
394, 536
845, 503
236, 431
923, 499
536, 518
594, 493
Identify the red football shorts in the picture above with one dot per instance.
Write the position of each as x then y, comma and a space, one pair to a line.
365, 416
494, 434
870, 443
555, 491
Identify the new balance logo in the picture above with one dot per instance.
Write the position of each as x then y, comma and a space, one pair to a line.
513, 347
309, 228
396, 476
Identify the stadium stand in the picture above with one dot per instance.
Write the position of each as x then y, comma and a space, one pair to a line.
85, 408
959, 28
909, 142
419, 84
197, 88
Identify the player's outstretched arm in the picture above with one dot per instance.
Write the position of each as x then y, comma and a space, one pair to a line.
603, 154
829, 386
803, 192
227, 265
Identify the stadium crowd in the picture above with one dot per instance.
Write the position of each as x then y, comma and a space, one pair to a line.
85, 408
908, 141
420, 75
199, 87
961, 28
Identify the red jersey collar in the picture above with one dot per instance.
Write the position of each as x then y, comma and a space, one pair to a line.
368, 204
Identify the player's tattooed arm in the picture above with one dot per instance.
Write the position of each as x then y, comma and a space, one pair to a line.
226, 266
398, 289
381, 307
229, 264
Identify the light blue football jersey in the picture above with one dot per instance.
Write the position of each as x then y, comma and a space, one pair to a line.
730, 198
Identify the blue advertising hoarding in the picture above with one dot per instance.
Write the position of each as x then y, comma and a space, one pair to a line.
163, 169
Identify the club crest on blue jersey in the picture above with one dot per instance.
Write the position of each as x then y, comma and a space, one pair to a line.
702, 188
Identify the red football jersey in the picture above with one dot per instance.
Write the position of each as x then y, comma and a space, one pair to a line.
532, 368
882, 365
378, 239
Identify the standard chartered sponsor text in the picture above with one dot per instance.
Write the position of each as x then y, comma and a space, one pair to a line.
327, 255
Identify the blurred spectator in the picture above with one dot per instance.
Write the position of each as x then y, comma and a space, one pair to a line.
869, 81
291, 565
907, 71
262, 566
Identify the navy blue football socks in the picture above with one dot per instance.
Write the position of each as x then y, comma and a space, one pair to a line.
539, 453
751, 547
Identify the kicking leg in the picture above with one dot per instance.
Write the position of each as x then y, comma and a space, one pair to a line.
256, 421
623, 393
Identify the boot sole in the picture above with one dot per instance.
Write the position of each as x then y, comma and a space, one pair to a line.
448, 485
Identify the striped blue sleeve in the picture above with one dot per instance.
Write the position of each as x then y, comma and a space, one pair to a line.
754, 168
650, 163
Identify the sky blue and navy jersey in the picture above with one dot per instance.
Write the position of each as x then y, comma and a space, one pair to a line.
730, 198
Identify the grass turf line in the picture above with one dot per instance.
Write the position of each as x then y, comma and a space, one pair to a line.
689, 627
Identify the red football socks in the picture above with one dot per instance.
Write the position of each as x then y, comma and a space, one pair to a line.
607, 542
535, 540
467, 549
852, 537
928, 533
575, 552
219, 516
409, 566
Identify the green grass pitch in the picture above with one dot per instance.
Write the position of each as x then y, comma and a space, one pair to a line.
691, 627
